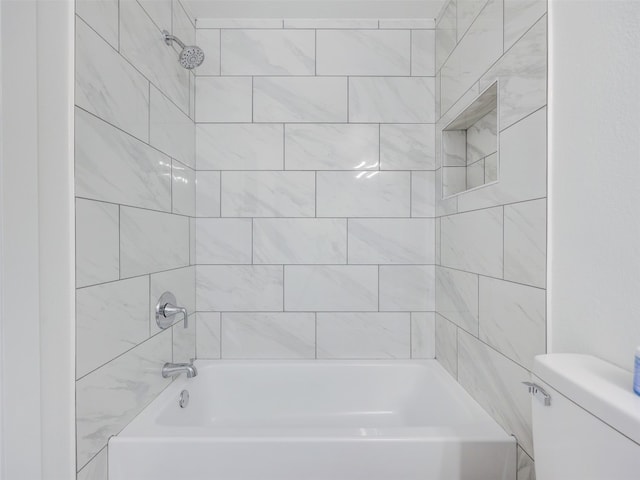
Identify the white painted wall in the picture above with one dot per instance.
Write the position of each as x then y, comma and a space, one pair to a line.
594, 178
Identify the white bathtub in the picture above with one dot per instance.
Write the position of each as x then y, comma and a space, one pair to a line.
314, 420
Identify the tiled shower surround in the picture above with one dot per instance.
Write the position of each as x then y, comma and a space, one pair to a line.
315, 189
491, 242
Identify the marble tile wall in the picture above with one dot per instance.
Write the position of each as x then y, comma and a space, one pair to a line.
135, 210
491, 242
315, 159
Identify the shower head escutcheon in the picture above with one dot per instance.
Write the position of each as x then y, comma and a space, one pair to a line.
190, 57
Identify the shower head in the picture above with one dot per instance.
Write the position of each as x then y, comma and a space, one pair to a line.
190, 57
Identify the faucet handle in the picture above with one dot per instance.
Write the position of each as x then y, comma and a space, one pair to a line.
166, 309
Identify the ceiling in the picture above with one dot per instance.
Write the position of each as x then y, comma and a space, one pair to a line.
314, 8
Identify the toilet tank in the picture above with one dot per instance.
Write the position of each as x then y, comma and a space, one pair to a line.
591, 429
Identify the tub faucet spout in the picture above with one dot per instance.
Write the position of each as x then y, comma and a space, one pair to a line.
173, 369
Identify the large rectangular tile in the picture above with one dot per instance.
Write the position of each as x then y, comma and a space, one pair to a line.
268, 52
466, 13
495, 382
96, 469
208, 334
183, 189
363, 194
224, 99
519, 16
423, 53
209, 41
268, 194
158, 10
330, 23
171, 130
182, 283
299, 240
223, 240
363, 335
242, 288
407, 288
512, 319
457, 297
207, 194
141, 43
447, 345
525, 242
331, 288
526, 466
268, 335
110, 397
473, 241
184, 341
522, 72
97, 244
312, 99
423, 335
114, 167
108, 86
476, 52
331, 147
482, 138
446, 34
390, 240
152, 241
363, 52
183, 26
407, 147
423, 194
102, 16
402, 23
239, 23
110, 319
391, 99
239, 147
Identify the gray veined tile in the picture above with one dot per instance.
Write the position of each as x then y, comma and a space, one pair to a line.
495, 382
209, 41
423, 335
364, 335
473, 241
242, 288
466, 13
141, 43
331, 288
363, 194
110, 397
407, 288
171, 130
512, 319
300, 99
482, 138
391, 241
363, 52
526, 466
96, 469
158, 10
404, 23
475, 174
184, 341
239, 147
97, 247
525, 237
192, 241
224, 99
423, 53
238, 23
447, 345
331, 23
110, 319
152, 241
446, 34
407, 147
182, 26
114, 167
268, 335
108, 86
519, 16
331, 147
268, 52
423, 194
391, 99
102, 16
223, 240
457, 298
454, 153
491, 168
183, 189
180, 282
268, 194
299, 241
207, 194
208, 335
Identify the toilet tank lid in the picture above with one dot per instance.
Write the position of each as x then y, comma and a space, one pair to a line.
603, 389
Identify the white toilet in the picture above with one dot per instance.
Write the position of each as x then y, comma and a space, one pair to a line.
590, 429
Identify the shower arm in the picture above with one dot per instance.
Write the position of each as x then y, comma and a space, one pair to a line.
168, 38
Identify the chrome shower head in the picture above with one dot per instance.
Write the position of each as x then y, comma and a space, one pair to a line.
190, 57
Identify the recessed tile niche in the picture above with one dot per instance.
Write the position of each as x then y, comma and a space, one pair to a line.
470, 146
